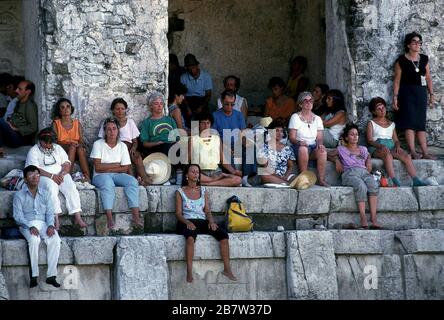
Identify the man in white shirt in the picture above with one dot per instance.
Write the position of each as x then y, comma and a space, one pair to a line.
34, 213
54, 167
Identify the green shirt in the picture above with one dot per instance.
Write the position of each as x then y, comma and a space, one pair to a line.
154, 130
25, 118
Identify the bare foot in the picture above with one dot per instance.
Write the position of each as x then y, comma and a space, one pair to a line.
323, 183
189, 277
110, 224
416, 156
78, 220
229, 275
429, 157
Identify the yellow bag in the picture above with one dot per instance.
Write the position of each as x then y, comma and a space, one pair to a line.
237, 218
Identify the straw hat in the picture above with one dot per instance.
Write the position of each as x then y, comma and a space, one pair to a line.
265, 122
304, 180
158, 167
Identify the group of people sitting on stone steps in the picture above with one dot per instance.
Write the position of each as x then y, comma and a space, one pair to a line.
218, 148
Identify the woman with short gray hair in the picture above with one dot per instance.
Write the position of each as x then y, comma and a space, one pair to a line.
156, 128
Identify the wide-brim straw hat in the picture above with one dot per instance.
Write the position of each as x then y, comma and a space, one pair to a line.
265, 122
304, 180
158, 167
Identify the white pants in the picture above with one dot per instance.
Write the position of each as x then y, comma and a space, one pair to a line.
52, 248
68, 189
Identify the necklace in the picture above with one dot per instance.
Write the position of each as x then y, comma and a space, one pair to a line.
308, 122
416, 66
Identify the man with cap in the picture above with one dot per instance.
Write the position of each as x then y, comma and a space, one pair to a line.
199, 85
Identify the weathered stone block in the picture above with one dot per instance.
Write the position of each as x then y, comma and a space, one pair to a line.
342, 200
88, 202
363, 277
141, 271
389, 220
311, 268
122, 225
4, 294
397, 199
93, 250
253, 245
363, 241
421, 241
121, 203
15, 253
424, 276
257, 200
310, 223
313, 200
430, 197
389, 199
262, 279
6, 199
78, 283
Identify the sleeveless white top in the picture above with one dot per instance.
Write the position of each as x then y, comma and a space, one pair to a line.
381, 132
336, 129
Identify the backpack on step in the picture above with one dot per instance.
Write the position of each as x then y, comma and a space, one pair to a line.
237, 218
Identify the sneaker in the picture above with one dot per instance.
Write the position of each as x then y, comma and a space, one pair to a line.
245, 182
80, 185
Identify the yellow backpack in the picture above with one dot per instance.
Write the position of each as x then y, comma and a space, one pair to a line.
237, 218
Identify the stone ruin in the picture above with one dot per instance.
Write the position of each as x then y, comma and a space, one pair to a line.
93, 51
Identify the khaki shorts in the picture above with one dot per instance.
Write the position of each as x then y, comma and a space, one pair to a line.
212, 173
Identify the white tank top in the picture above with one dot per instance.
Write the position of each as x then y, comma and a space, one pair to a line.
381, 132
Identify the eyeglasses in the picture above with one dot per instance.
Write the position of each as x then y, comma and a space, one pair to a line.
229, 104
306, 101
33, 174
418, 42
49, 159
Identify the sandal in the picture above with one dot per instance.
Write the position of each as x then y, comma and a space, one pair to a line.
363, 228
376, 227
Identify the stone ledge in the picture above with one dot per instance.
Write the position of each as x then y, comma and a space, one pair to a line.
256, 200
363, 241
389, 200
315, 200
253, 245
79, 251
430, 197
421, 240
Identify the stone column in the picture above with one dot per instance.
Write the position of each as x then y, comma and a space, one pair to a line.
95, 51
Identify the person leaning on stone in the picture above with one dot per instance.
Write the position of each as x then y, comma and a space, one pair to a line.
33, 212
54, 167
20, 130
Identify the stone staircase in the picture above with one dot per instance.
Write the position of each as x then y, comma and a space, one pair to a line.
398, 208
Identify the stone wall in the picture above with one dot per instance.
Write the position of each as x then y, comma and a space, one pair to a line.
300, 265
375, 33
254, 40
95, 51
12, 58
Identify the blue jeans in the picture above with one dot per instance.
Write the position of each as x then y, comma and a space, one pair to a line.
106, 182
9, 137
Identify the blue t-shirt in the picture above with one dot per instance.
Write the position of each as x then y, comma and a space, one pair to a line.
197, 87
235, 121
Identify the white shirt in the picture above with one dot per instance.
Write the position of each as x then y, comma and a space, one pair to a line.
306, 132
119, 154
237, 103
126, 133
50, 163
381, 132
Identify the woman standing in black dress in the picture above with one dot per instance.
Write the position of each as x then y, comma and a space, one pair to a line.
412, 79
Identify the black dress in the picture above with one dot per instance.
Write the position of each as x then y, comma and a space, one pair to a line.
412, 95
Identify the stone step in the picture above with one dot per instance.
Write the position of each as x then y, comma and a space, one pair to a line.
398, 208
269, 265
15, 159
